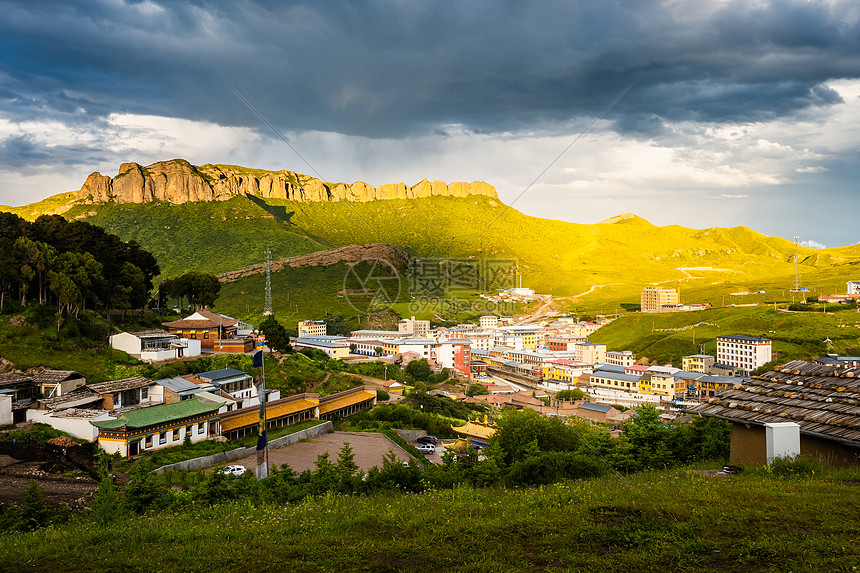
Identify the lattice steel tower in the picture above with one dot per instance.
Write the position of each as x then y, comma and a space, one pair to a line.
267, 306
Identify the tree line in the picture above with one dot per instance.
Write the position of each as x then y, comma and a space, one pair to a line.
73, 264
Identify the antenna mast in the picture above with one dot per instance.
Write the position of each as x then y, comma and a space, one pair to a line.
267, 306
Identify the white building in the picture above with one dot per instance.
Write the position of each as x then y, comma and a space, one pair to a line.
155, 345
853, 287
335, 347
489, 321
743, 352
620, 357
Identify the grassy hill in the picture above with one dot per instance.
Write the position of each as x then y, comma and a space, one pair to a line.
665, 521
597, 269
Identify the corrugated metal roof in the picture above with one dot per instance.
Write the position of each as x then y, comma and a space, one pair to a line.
157, 415
178, 384
823, 399
595, 407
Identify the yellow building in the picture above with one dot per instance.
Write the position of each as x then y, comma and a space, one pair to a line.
477, 433
312, 328
653, 298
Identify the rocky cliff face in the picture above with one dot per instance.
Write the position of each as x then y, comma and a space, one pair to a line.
178, 181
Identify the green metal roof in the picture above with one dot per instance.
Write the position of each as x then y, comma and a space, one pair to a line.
158, 415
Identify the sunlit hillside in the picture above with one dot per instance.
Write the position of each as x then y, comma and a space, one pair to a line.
598, 268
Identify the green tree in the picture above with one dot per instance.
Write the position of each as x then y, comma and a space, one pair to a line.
418, 370
276, 335
35, 513
521, 433
573, 394
477, 390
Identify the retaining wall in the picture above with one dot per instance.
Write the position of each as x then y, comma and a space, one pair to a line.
411, 435
224, 457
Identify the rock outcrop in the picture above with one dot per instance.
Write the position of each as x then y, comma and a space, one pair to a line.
178, 181
381, 253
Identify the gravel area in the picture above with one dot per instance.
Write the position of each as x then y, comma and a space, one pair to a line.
368, 448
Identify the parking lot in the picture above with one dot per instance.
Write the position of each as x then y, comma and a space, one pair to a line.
369, 450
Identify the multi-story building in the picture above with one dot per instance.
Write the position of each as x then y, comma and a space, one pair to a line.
455, 355
489, 321
745, 353
590, 352
312, 328
620, 357
698, 363
853, 287
562, 342
585, 329
654, 299
418, 328
480, 339
564, 370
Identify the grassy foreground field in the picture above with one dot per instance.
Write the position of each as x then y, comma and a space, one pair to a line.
664, 521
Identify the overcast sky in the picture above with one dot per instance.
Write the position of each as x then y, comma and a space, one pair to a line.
699, 113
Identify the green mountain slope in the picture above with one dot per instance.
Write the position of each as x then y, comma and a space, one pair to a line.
599, 267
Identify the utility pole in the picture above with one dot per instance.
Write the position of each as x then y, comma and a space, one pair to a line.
267, 306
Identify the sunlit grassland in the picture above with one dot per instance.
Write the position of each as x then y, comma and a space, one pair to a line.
665, 521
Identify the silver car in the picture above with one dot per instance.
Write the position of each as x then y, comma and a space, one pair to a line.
426, 448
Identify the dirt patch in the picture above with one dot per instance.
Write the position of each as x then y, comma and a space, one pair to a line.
63, 474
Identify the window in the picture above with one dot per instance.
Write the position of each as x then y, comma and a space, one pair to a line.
176, 434
149, 441
162, 438
144, 394
201, 427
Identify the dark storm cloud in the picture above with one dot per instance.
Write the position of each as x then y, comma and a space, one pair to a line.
398, 68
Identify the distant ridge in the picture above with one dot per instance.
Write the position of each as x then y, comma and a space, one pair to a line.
177, 181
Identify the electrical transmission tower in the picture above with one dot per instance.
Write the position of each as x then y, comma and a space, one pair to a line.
267, 306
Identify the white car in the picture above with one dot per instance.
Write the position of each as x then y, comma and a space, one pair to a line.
426, 448
234, 470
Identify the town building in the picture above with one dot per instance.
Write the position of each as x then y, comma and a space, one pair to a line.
477, 433
215, 332
563, 342
654, 299
590, 352
52, 383
698, 363
489, 321
418, 328
116, 394
337, 349
378, 335
22, 391
744, 353
853, 287
155, 345
235, 383
620, 357
312, 328
156, 427
456, 356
